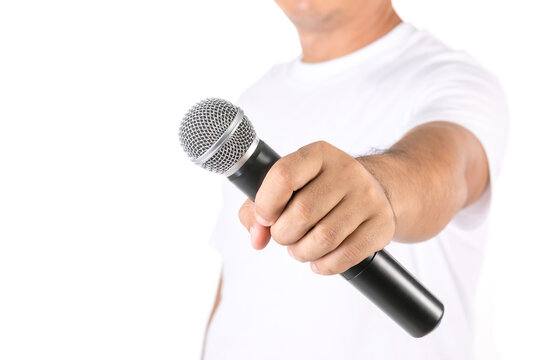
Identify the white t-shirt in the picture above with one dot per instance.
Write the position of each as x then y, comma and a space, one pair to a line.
274, 307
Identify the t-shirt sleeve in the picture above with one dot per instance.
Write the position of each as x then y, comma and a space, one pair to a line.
459, 90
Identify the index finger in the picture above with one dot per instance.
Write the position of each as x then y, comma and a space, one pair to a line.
286, 176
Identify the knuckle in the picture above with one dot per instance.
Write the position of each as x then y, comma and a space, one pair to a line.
325, 237
281, 174
304, 151
371, 193
303, 211
351, 254
279, 235
354, 167
322, 147
351, 170
322, 189
314, 147
321, 144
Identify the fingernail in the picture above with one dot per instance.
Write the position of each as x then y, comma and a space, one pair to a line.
290, 252
262, 221
252, 233
314, 268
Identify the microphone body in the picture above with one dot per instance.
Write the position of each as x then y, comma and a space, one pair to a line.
217, 136
379, 277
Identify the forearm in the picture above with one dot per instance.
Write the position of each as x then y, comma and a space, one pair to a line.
429, 175
344, 209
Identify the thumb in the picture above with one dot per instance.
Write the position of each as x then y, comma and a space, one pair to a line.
260, 235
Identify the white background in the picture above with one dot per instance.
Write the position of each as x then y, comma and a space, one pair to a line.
103, 221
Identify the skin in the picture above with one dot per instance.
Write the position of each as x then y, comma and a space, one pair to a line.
346, 208
330, 29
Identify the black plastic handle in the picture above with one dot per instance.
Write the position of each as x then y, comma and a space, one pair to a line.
379, 277
396, 292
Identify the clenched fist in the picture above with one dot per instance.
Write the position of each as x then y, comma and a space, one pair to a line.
338, 216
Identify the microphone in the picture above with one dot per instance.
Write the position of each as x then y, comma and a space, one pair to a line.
219, 137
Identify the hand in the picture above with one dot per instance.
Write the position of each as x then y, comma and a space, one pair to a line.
338, 216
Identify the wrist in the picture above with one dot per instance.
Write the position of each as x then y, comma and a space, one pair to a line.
382, 166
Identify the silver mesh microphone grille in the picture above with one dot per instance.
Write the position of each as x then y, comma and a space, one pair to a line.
202, 130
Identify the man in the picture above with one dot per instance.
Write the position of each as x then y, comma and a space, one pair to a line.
429, 124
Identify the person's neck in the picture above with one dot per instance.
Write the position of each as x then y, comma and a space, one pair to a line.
347, 36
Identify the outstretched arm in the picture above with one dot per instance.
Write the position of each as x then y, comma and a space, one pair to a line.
434, 171
346, 208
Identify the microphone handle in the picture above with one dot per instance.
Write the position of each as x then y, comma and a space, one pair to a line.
379, 277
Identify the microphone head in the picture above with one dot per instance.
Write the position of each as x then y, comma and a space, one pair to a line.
216, 134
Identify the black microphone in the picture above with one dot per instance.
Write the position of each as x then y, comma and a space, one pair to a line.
217, 136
